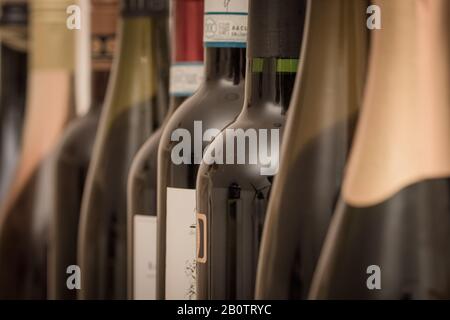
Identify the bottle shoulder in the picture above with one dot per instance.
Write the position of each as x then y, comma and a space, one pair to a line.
78, 138
147, 156
213, 105
245, 153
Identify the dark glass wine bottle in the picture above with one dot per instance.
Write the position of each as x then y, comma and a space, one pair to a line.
73, 154
135, 106
185, 77
215, 105
13, 79
390, 235
238, 168
318, 136
25, 212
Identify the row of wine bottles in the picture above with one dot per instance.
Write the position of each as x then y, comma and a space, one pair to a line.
233, 149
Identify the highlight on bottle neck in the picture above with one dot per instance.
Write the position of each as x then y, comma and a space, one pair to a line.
136, 8
52, 42
49, 11
104, 15
225, 23
186, 72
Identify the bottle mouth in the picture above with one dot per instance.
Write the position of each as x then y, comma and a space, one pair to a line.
14, 13
144, 7
284, 29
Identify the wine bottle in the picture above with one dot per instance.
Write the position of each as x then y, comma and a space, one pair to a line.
186, 75
24, 216
389, 237
236, 174
318, 136
13, 78
215, 105
135, 106
72, 156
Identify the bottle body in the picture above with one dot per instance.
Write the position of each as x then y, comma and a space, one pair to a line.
220, 103
71, 164
12, 111
236, 175
135, 106
73, 155
25, 211
215, 105
232, 195
13, 81
405, 236
389, 236
185, 77
319, 134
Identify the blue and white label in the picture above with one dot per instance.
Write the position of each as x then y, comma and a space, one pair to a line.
185, 78
225, 23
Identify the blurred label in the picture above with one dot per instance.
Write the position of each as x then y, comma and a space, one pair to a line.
102, 50
181, 244
225, 23
185, 78
144, 255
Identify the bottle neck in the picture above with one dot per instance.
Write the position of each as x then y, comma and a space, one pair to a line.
140, 75
13, 71
99, 83
102, 51
51, 41
270, 81
104, 16
225, 64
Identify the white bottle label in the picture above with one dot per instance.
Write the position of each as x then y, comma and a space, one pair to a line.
185, 78
225, 23
180, 244
144, 255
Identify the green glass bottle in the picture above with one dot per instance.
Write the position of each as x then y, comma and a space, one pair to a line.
135, 107
318, 137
